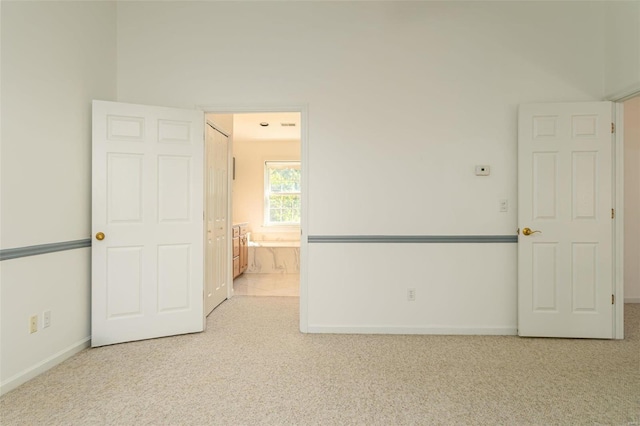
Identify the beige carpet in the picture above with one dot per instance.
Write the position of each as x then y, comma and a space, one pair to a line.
252, 366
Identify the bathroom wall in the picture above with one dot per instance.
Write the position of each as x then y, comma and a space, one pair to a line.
248, 186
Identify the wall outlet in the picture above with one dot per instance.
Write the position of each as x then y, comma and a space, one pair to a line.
504, 205
33, 324
411, 294
46, 319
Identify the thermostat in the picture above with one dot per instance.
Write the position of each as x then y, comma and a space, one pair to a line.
483, 170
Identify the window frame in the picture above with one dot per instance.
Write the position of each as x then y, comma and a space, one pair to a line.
268, 165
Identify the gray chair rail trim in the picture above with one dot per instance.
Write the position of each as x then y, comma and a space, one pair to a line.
14, 253
413, 239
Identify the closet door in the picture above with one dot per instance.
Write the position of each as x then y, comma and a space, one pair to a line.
217, 260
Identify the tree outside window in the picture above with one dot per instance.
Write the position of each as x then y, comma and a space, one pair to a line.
282, 193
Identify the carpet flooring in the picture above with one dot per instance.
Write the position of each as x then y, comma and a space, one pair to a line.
252, 366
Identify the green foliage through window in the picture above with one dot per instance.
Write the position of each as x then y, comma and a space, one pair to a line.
282, 193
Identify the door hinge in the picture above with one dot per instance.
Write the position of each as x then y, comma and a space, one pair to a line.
613, 299
613, 213
613, 127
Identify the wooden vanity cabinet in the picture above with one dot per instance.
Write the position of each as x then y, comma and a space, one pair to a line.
244, 248
236, 251
240, 249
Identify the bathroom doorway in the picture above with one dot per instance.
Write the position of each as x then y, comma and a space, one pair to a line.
266, 179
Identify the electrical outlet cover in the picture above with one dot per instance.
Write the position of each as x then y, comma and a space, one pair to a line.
33, 324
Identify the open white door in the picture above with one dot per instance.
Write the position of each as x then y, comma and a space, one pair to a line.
565, 215
217, 272
147, 222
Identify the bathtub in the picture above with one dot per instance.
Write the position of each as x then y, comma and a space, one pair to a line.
274, 257
274, 243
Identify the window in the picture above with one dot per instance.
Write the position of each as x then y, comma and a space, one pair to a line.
282, 193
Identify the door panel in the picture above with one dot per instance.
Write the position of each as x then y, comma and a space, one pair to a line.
217, 221
565, 271
147, 185
174, 188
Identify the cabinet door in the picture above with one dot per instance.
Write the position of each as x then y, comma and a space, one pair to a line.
244, 253
236, 246
236, 267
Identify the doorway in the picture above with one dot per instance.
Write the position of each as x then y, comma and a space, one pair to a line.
266, 200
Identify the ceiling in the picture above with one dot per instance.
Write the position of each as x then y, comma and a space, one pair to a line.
246, 126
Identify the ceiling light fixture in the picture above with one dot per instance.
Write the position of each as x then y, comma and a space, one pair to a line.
264, 124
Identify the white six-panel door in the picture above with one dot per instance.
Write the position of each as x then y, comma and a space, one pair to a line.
147, 271
217, 263
565, 271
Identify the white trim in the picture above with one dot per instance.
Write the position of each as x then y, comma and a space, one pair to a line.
303, 109
230, 178
304, 220
463, 331
626, 94
632, 300
48, 363
618, 232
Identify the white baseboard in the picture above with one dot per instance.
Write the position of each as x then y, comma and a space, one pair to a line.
485, 331
632, 300
28, 374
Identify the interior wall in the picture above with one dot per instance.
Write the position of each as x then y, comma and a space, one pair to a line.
248, 186
622, 49
223, 122
632, 200
404, 99
56, 58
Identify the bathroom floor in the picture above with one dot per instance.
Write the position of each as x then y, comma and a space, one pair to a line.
267, 285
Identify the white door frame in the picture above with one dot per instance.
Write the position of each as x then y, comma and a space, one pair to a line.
618, 236
618, 232
304, 152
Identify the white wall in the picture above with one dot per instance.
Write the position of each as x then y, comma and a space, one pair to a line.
632, 200
404, 98
622, 57
248, 187
56, 58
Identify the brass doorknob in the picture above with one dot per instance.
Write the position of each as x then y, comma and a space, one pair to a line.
528, 231
100, 236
